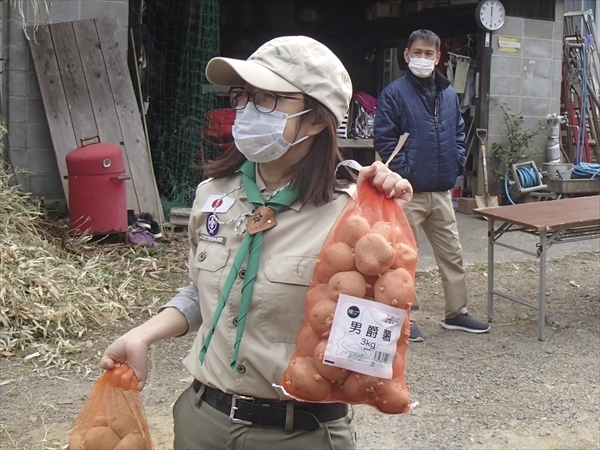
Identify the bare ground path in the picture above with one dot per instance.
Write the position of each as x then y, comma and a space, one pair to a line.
502, 390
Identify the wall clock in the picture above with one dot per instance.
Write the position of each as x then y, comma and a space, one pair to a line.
490, 14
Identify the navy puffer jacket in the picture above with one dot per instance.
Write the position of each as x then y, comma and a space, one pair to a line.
434, 154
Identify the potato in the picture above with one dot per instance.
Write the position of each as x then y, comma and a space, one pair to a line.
395, 288
337, 257
391, 232
100, 438
76, 441
405, 332
307, 341
123, 424
405, 257
360, 387
132, 441
305, 382
374, 254
338, 394
321, 317
332, 373
370, 294
100, 421
393, 399
315, 295
354, 228
398, 366
350, 283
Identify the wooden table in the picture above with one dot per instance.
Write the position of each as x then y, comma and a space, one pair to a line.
558, 221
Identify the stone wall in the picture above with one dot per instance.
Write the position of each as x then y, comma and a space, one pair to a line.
529, 80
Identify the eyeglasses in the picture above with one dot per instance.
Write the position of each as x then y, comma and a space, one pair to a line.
263, 101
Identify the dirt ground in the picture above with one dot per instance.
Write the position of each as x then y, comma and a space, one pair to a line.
502, 390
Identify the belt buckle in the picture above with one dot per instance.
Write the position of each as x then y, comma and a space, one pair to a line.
234, 408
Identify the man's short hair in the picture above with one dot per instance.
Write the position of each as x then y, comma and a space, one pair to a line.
424, 35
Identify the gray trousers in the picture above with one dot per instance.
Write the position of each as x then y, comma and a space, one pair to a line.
197, 425
433, 212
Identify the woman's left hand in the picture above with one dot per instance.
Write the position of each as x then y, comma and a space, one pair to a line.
387, 182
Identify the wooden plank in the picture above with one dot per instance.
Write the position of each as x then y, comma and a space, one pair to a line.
98, 86
128, 113
73, 81
87, 91
55, 102
179, 216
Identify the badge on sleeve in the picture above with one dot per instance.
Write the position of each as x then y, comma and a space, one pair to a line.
218, 203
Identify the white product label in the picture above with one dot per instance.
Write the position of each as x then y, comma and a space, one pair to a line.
363, 336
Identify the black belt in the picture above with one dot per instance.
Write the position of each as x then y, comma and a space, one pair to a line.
259, 411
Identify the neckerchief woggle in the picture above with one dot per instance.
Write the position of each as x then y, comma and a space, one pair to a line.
251, 248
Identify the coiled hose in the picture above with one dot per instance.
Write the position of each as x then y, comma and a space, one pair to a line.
528, 178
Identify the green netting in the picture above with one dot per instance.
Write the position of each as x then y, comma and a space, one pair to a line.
178, 39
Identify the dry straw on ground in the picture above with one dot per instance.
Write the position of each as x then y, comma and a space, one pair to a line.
54, 287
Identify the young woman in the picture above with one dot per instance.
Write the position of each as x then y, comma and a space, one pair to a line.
256, 228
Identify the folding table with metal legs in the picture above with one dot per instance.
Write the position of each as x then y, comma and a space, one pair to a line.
554, 222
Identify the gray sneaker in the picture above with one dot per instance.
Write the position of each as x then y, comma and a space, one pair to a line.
465, 322
415, 333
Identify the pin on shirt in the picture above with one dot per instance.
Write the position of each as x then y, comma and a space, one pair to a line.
262, 220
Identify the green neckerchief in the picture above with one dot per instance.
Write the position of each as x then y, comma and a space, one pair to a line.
251, 247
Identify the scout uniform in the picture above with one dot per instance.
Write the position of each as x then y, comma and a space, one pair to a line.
289, 255
276, 314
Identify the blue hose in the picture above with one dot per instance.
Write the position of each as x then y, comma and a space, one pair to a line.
506, 189
528, 176
586, 170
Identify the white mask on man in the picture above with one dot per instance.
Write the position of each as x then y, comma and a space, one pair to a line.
421, 67
259, 136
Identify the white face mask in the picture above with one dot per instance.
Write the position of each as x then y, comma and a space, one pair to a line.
259, 136
421, 67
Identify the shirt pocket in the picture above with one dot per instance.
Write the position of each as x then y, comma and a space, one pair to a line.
209, 274
281, 306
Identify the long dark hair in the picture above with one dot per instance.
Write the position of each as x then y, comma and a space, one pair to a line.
315, 174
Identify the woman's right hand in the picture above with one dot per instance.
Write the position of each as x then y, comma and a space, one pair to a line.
128, 349
132, 347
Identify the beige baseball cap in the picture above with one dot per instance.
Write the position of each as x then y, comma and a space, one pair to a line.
289, 64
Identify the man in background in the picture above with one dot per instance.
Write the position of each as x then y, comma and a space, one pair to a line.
424, 104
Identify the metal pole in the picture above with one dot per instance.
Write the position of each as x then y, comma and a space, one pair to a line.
542, 293
490, 268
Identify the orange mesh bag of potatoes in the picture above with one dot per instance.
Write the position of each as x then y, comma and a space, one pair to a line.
352, 345
112, 416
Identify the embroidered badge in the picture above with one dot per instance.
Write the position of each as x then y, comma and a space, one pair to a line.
218, 204
212, 239
212, 225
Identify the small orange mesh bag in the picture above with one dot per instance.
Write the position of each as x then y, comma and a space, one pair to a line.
352, 345
112, 416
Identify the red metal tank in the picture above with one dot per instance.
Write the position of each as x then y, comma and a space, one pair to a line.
97, 191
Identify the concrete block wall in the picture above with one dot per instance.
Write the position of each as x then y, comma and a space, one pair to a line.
529, 81
29, 144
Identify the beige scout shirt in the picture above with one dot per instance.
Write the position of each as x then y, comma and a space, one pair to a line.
288, 258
